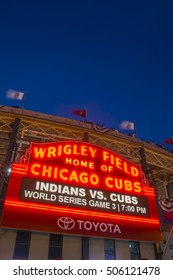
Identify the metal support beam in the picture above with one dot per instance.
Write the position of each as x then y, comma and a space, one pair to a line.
10, 155
167, 242
148, 171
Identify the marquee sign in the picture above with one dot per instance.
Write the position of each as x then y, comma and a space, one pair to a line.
75, 187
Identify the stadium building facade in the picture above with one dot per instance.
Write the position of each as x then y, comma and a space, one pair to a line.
74, 190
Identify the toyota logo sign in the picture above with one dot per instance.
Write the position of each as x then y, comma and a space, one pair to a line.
66, 223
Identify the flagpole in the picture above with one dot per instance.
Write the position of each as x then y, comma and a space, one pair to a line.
135, 129
24, 101
85, 115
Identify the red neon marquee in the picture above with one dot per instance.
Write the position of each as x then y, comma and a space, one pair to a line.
93, 187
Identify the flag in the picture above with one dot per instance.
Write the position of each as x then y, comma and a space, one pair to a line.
168, 141
101, 128
81, 113
166, 210
13, 94
127, 125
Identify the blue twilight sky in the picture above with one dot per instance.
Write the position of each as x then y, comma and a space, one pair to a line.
113, 57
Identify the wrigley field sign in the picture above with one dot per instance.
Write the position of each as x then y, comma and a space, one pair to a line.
75, 187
